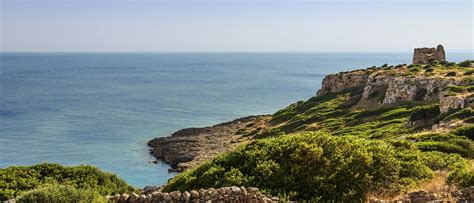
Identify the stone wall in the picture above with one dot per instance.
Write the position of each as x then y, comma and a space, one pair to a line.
224, 194
426, 55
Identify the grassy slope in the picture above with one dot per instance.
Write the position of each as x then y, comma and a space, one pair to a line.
335, 117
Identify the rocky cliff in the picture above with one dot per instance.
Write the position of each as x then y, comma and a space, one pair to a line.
190, 146
390, 85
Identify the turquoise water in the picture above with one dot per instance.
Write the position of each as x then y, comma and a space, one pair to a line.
102, 108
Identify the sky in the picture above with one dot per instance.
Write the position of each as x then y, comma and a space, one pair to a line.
235, 25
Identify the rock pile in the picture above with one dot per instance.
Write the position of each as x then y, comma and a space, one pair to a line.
420, 196
464, 194
224, 194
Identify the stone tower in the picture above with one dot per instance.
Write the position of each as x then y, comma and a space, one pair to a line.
426, 55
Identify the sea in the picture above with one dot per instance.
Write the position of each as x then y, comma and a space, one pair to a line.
102, 108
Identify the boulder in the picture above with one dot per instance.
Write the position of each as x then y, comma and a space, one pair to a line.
186, 196
194, 194
447, 103
123, 198
133, 198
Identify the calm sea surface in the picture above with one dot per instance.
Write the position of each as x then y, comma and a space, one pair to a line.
102, 108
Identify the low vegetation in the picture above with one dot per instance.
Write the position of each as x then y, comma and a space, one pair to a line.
312, 165
41, 181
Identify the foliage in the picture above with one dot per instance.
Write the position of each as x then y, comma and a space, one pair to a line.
451, 74
429, 70
466, 63
469, 72
425, 112
467, 131
311, 165
17, 179
61, 194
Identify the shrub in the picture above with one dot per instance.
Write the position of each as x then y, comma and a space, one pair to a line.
17, 179
466, 63
429, 70
462, 176
450, 64
467, 131
443, 161
455, 88
415, 69
425, 112
61, 193
446, 147
451, 74
469, 72
311, 165
384, 65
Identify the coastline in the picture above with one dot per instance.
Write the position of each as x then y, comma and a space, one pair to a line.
188, 147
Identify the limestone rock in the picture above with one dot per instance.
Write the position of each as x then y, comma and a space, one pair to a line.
133, 198
123, 198
341, 81
175, 195
396, 89
186, 196
194, 194
451, 102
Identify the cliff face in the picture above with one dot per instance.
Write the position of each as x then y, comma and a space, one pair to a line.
335, 83
392, 85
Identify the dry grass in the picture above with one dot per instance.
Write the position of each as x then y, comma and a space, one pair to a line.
436, 185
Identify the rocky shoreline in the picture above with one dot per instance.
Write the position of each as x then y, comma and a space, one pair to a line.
188, 147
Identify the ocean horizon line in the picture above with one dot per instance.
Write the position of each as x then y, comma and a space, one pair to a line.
225, 52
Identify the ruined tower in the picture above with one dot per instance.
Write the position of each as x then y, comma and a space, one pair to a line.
426, 55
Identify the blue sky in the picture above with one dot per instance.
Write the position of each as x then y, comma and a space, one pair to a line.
235, 25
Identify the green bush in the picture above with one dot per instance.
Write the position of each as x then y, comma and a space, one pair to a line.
443, 161
425, 112
429, 70
466, 63
17, 179
455, 88
451, 74
467, 131
61, 194
450, 64
384, 65
463, 175
311, 165
469, 72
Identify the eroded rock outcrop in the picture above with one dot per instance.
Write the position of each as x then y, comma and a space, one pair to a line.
396, 89
341, 81
390, 85
188, 147
426, 55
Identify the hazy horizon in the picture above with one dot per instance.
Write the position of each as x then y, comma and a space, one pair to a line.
235, 25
